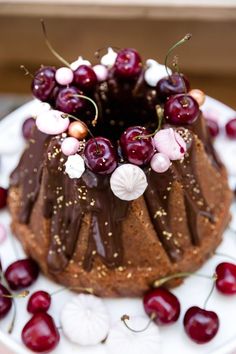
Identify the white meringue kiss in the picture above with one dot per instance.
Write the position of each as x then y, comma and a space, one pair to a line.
128, 182
109, 58
154, 72
85, 320
80, 61
170, 143
75, 166
51, 122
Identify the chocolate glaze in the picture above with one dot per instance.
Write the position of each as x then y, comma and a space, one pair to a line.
67, 201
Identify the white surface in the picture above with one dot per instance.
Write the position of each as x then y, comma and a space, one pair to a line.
192, 292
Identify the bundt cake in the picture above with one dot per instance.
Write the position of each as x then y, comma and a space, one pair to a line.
115, 200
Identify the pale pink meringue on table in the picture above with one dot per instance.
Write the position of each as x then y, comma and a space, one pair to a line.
160, 162
64, 76
70, 146
52, 122
101, 72
169, 142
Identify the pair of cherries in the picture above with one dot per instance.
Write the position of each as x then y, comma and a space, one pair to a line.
101, 156
200, 324
230, 128
40, 333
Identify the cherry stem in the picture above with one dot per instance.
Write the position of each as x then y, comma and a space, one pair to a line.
220, 254
12, 324
209, 295
50, 47
179, 43
16, 296
94, 121
159, 112
176, 66
125, 318
86, 290
163, 280
27, 72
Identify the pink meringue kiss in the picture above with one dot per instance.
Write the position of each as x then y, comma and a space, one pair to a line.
101, 72
70, 146
64, 76
52, 123
3, 234
160, 162
170, 143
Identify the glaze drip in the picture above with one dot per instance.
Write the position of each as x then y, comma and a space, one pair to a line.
67, 201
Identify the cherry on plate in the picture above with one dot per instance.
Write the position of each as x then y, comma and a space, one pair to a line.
5, 302
230, 128
201, 325
40, 333
226, 278
39, 301
162, 305
213, 127
22, 273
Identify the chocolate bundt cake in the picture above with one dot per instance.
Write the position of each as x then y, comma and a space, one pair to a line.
116, 202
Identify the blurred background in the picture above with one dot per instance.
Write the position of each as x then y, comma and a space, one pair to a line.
79, 27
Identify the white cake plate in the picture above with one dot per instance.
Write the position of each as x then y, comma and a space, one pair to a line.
192, 292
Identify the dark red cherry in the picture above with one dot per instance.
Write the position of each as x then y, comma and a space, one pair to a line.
213, 127
3, 197
181, 109
100, 155
230, 128
22, 273
5, 302
138, 151
40, 333
85, 78
44, 83
27, 128
201, 325
67, 101
163, 304
226, 278
172, 85
128, 64
39, 301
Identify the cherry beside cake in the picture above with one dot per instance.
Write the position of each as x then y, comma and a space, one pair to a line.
119, 184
